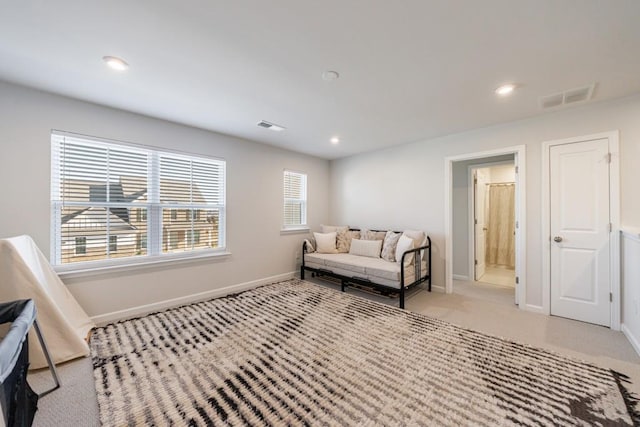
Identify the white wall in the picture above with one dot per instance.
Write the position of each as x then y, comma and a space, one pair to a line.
254, 196
630, 276
403, 187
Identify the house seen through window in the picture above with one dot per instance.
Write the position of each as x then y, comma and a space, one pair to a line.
81, 245
118, 201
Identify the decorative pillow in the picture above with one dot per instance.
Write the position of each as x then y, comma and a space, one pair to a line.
325, 243
310, 247
355, 234
372, 235
332, 228
404, 244
369, 248
389, 246
340, 230
419, 237
343, 239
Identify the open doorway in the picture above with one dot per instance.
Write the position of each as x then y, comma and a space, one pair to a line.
492, 227
504, 259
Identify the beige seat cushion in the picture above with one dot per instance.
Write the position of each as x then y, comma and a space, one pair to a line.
376, 270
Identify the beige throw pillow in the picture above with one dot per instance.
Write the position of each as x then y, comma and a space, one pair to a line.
325, 243
354, 234
344, 240
419, 238
332, 228
310, 247
368, 248
372, 235
389, 246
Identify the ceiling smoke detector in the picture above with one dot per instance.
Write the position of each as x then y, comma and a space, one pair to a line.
571, 96
330, 75
271, 126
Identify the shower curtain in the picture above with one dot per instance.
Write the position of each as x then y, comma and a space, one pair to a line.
500, 215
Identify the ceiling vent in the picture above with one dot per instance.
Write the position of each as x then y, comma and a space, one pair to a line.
568, 97
272, 126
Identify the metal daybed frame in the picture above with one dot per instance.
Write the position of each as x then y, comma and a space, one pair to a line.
361, 281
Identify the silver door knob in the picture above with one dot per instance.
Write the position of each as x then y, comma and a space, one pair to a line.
557, 239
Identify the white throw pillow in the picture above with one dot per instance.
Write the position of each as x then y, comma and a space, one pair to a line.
419, 238
325, 243
404, 244
369, 248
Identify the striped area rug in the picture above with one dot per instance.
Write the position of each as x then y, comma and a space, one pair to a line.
294, 353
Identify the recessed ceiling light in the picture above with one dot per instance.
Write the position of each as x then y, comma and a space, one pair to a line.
115, 63
330, 75
335, 140
506, 89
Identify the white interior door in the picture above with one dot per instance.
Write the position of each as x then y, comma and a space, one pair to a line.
579, 231
481, 178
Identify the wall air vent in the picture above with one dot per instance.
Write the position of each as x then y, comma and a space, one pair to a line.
272, 126
568, 97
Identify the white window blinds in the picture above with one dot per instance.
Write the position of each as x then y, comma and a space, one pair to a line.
192, 200
295, 199
114, 201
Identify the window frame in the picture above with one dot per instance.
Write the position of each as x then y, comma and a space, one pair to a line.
303, 226
151, 209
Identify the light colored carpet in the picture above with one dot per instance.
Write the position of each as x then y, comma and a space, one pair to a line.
75, 403
489, 310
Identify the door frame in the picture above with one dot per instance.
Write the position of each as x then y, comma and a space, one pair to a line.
614, 218
472, 199
519, 152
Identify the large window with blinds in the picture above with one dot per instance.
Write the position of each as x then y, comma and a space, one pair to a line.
118, 203
295, 200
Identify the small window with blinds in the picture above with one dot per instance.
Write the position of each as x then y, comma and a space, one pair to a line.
117, 203
295, 200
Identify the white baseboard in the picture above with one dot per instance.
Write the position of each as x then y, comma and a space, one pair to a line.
535, 309
635, 342
103, 319
438, 289
461, 277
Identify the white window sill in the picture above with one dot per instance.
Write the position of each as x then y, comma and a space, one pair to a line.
296, 230
100, 268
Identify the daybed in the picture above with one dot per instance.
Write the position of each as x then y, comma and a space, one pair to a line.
361, 262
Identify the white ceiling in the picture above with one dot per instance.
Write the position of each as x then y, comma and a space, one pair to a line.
409, 69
